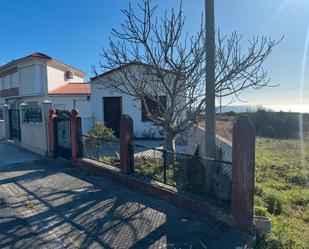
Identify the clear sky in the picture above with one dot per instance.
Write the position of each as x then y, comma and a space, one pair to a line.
74, 31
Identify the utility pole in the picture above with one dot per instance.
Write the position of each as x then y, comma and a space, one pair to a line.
210, 91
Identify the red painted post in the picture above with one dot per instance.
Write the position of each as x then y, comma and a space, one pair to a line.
243, 173
75, 134
126, 149
52, 132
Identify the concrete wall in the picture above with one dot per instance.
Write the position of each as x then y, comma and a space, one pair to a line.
2, 129
34, 136
196, 140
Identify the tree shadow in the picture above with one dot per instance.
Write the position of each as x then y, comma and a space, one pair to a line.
62, 203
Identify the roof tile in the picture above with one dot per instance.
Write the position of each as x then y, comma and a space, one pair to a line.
71, 89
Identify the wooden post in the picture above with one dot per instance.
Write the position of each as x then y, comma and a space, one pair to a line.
75, 134
126, 148
243, 173
52, 126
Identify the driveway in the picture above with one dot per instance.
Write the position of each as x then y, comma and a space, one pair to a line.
46, 203
10, 153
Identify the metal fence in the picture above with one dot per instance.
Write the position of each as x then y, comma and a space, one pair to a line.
101, 149
32, 114
186, 172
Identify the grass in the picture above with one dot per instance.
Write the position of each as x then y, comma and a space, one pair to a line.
282, 192
282, 186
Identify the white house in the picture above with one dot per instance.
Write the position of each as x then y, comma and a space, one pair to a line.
108, 106
38, 77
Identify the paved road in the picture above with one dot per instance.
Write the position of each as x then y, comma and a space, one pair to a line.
46, 203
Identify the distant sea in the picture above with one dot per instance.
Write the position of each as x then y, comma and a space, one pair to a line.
276, 108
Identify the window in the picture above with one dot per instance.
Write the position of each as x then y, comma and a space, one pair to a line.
153, 107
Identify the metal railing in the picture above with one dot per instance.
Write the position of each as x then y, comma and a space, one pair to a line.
186, 172
32, 114
101, 149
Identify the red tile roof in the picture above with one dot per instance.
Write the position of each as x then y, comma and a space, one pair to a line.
71, 89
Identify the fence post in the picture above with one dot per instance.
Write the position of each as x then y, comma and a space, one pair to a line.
243, 170
6, 118
126, 148
52, 126
75, 134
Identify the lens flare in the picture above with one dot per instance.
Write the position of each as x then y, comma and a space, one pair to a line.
275, 15
301, 96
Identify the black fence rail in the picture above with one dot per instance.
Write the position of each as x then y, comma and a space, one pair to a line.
102, 150
186, 172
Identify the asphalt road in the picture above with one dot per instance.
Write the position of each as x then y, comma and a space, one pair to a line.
46, 203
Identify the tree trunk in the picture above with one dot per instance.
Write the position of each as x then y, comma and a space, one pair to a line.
170, 147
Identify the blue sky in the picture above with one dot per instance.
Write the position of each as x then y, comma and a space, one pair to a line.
74, 31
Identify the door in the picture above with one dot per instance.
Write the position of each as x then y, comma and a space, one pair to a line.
63, 134
14, 124
112, 113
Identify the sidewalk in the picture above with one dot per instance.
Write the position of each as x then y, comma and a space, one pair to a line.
68, 208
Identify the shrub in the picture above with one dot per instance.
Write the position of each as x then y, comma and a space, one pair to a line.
98, 133
274, 204
261, 211
280, 125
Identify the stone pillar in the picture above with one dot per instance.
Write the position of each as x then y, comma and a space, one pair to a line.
75, 134
6, 119
46, 107
52, 126
126, 148
243, 173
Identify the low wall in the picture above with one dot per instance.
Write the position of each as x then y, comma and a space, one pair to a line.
34, 138
196, 140
2, 132
157, 189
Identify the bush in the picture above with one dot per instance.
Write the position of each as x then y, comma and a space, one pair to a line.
274, 204
98, 133
280, 125
260, 211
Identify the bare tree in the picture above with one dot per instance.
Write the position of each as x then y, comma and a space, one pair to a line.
157, 60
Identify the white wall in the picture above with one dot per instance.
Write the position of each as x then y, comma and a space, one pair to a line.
196, 139
1, 129
82, 103
34, 138
56, 76
130, 106
32, 80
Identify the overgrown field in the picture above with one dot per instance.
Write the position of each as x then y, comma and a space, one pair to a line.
282, 191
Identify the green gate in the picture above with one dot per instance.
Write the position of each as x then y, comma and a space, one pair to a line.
14, 118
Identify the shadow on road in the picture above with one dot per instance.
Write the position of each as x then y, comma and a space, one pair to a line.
68, 208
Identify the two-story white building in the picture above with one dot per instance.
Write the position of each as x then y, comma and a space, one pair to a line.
38, 77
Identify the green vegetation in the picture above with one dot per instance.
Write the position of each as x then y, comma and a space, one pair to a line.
282, 192
187, 173
98, 134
